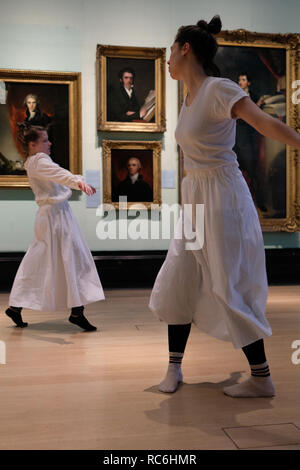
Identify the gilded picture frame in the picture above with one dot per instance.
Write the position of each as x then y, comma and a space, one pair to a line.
144, 188
272, 60
131, 88
56, 101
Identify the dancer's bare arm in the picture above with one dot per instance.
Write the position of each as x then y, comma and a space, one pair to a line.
265, 124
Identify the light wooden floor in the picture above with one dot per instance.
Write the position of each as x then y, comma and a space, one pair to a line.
65, 389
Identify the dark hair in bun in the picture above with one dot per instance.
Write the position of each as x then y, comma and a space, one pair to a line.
203, 44
213, 27
27, 133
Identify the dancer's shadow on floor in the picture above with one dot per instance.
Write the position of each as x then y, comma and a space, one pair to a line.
47, 327
204, 406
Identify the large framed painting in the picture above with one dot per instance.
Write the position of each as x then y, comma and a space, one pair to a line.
132, 173
267, 67
48, 99
131, 88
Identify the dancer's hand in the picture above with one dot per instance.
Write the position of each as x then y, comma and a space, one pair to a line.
86, 188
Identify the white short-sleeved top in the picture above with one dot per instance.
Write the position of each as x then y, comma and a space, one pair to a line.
50, 182
206, 129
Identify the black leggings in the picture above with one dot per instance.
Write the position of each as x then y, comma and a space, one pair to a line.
77, 310
178, 336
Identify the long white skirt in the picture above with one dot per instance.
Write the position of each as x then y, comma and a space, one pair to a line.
58, 270
222, 287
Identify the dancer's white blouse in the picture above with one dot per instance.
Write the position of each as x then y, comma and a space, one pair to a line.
50, 182
206, 130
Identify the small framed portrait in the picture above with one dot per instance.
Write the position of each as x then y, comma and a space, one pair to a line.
131, 89
48, 99
131, 169
266, 67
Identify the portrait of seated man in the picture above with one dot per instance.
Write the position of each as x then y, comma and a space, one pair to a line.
134, 186
122, 103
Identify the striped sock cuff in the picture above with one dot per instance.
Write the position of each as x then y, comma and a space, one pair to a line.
260, 370
175, 357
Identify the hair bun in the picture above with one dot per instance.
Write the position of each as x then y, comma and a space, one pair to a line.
23, 125
203, 25
213, 27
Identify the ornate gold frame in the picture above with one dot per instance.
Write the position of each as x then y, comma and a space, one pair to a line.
182, 91
73, 80
159, 56
291, 43
155, 146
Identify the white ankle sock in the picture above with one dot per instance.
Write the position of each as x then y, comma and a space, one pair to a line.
256, 386
173, 376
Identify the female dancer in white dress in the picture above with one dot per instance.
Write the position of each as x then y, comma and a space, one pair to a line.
222, 287
57, 271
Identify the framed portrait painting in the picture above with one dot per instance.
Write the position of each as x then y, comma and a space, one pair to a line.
48, 99
131, 89
132, 169
266, 66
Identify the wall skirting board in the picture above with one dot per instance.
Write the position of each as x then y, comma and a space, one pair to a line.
139, 268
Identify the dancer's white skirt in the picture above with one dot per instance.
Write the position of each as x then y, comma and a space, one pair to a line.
222, 287
58, 270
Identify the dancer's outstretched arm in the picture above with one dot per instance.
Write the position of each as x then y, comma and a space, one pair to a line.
264, 123
45, 168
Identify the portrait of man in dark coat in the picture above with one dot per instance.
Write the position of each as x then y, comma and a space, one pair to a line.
123, 105
134, 186
34, 116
